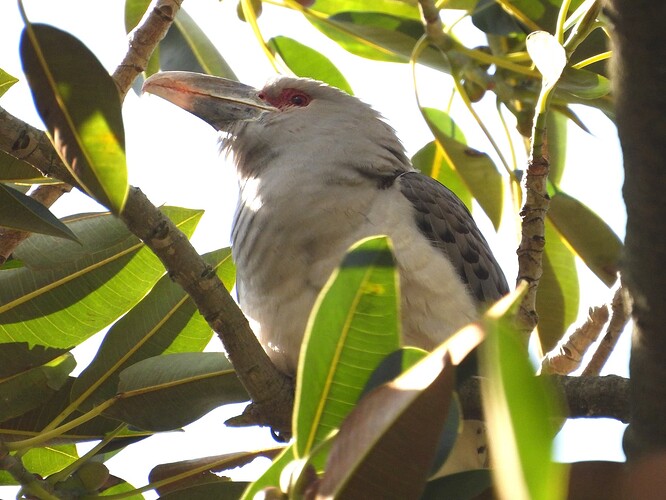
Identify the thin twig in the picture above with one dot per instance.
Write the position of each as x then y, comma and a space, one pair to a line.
142, 42
568, 354
620, 314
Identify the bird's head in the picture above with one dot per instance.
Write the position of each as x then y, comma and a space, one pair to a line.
296, 116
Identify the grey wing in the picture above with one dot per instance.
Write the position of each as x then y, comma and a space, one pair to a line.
445, 221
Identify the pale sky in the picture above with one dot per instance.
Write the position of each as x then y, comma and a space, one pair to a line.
173, 157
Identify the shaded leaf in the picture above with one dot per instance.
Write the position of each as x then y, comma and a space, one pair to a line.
68, 291
166, 320
521, 412
354, 325
475, 168
33, 422
271, 477
13, 170
202, 469
558, 295
31, 388
308, 63
587, 233
200, 47
394, 428
18, 211
6, 81
44, 461
17, 357
79, 104
169, 391
583, 84
431, 160
220, 490
393, 366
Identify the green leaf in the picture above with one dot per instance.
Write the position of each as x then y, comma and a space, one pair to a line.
354, 325
169, 391
220, 490
398, 8
558, 295
134, 11
583, 84
307, 62
44, 461
6, 81
18, 211
475, 168
376, 36
556, 130
589, 236
387, 443
68, 291
31, 388
203, 470
521, 412
13, 170
165, 321
201, 47
80, 106
431, 160
17, 357
271, 477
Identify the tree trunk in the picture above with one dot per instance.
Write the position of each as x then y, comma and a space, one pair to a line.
639, 82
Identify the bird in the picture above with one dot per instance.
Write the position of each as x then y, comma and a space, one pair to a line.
318, 170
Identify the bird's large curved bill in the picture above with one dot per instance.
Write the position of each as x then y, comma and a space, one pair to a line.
217, 101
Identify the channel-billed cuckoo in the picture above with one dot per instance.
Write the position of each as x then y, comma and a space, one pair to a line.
319, 170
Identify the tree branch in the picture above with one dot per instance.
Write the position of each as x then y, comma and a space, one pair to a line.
639, 49
568, 354
142, 42
270, 390
586, 397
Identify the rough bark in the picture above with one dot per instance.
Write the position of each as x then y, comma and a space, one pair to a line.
638, 74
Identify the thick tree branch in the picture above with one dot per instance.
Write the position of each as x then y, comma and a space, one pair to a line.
638, 75
270, 390
586, 397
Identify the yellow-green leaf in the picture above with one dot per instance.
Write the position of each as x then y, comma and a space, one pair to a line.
80, 106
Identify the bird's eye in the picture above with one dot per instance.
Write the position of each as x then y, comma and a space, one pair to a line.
299, 100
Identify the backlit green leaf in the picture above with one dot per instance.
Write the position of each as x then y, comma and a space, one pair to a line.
308, 63
165, 321
521, 415
68, 291
558, 294
80, 106
354, 325
475, 168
